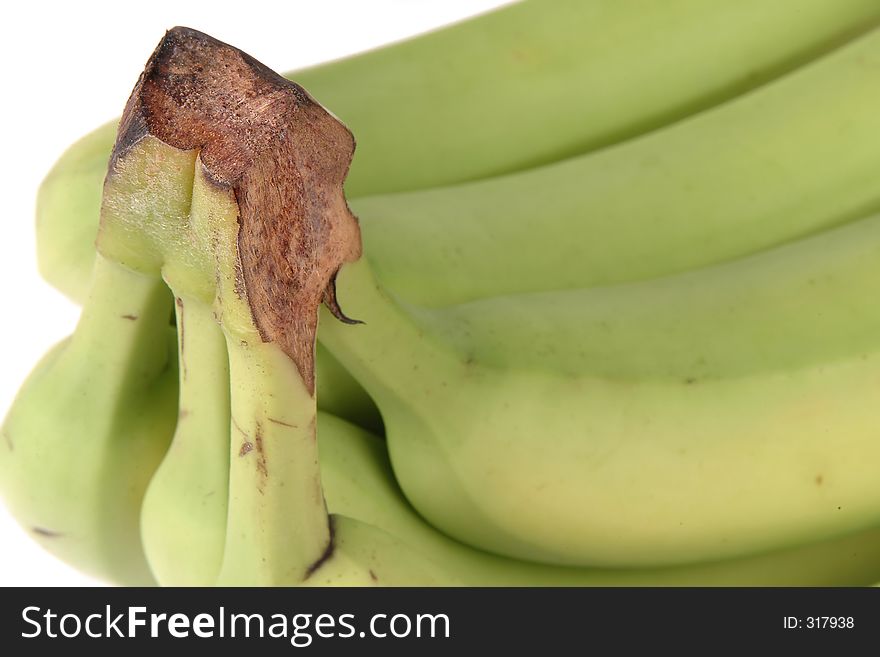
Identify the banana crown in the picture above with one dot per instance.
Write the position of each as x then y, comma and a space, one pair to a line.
227, 178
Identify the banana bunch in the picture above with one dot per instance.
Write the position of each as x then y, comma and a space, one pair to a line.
616, 302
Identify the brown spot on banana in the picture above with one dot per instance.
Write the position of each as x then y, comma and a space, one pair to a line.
180, 330
328, 551
238, 428
46, 533
262, 467
283, 424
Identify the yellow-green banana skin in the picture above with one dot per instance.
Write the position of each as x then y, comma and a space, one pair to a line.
89, 427
183, 516
725, 411
359, 483
523, 86
541, 81
68, 209
339, 394
784, 161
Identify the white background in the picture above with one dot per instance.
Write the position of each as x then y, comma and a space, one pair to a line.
67, 69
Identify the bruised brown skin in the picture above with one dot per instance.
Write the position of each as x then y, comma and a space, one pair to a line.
284, 157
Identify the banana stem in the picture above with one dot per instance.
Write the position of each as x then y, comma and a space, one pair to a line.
183, 520
135, 309
278, 530
390, 354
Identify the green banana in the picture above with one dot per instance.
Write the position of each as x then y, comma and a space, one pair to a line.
537, 82
183, 516
359, 483
522, 86
745, 176
90, 425
689, 420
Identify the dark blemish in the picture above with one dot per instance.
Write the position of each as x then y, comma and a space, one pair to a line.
46, 533
318, 493
373, 576
180, 332
819, 480
129, 135
181, 414
209, 494
238, 286
8, 440
690, 380
131, 317
262, 467
283, 424
238, 427
838, 508
332, 303
242, 343
328, 551
470, 360
246, 448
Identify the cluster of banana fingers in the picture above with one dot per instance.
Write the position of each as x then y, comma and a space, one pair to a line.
615, 265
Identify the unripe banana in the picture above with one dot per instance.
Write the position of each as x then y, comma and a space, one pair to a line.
91, 424
522, 86
68, 207
720, 412
540, 81
183, 517
784, 161
359, 483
